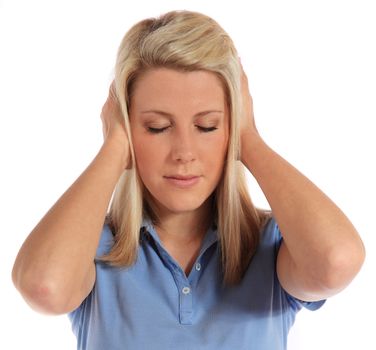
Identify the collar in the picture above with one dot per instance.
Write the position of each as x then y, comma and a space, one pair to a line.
148, 232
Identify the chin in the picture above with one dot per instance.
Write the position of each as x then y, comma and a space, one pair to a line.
181, 205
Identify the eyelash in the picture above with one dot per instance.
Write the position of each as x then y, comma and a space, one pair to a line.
202, 129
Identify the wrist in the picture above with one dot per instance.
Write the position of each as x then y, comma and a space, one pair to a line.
249, 139
118, 148
252, 145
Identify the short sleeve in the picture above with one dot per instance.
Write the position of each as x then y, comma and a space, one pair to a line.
309, 305
294, 302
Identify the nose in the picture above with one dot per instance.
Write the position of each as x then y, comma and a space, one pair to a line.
183, 147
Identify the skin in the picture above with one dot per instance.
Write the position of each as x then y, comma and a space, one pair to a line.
321, 251
179, 125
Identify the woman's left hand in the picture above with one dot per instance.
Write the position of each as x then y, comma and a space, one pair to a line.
248, 128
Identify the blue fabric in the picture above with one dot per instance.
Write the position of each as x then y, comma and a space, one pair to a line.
153, 305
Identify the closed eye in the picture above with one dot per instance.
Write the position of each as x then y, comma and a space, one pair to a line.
206, 129
156, 130
160, 130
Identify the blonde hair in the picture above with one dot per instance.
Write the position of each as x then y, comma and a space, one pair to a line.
185, 41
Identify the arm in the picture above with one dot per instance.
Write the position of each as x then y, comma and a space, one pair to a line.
54, 270
321, 251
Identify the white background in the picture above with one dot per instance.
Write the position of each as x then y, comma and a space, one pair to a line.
311, 68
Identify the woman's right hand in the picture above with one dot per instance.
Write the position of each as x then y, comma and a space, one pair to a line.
113, 125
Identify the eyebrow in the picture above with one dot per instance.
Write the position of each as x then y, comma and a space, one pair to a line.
165, 114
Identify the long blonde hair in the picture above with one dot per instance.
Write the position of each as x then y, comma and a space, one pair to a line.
185, 41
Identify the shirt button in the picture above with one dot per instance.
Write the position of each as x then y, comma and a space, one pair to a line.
186, 290
198, 266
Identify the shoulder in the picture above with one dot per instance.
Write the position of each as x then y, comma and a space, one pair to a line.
270, 239
106, 240
263, 263
270, 233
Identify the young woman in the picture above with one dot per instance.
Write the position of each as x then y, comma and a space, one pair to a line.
183, 259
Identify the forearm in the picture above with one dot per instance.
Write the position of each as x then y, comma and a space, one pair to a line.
61, 248
314, 229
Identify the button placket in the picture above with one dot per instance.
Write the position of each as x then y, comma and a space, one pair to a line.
186, 303
183, 284
186, 286
186, 290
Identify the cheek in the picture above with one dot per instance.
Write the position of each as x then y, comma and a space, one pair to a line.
213, 153
149, 154
215, 147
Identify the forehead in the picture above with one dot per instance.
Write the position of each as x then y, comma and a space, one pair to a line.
159, 85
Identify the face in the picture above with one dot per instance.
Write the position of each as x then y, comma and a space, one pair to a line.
179, 124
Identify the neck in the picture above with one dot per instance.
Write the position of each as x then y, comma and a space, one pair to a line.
185, 227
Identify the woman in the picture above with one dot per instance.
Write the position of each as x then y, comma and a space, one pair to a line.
183, 259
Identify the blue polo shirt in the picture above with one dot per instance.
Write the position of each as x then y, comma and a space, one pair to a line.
154, 305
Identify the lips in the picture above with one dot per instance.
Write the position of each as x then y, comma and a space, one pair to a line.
182, 181
181, 177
